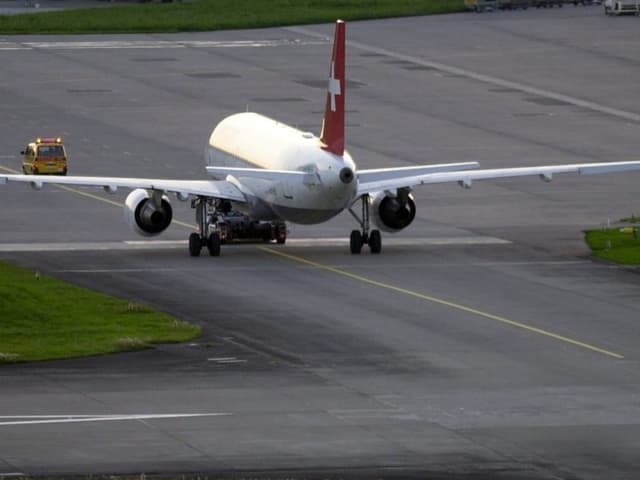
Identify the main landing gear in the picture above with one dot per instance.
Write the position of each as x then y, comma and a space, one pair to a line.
203, 239
364, 237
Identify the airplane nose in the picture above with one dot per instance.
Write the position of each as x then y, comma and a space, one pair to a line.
346, 175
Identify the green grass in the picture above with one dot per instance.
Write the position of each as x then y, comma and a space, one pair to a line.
204, 15
42, 318
615, 244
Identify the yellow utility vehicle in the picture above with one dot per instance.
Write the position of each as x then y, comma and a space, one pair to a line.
45, 156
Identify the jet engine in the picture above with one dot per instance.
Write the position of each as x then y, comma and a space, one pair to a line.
148, 215
393, 213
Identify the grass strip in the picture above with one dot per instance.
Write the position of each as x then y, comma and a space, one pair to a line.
620, 245
42, 318
202, 15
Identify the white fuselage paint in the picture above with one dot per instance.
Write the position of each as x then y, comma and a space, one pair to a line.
250, 140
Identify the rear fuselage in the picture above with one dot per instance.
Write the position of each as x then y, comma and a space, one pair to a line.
250, 140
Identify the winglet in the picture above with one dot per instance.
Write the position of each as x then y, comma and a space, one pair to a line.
333, 124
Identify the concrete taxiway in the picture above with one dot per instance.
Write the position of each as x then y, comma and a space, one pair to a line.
482, 343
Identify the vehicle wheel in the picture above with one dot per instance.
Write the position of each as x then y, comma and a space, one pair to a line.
375, 241
355, 242
195, 245
213, 244
281, 234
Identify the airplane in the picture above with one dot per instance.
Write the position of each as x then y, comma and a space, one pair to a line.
275, 173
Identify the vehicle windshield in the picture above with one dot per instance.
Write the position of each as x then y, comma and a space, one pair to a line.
50, 151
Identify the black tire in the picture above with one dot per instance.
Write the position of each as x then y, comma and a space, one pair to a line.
213, 244
355, 242
375, 241
195, 245
281, 234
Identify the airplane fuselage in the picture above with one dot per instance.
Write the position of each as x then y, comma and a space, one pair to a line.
250, 140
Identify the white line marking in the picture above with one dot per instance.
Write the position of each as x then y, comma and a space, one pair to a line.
144, 243
153, 44
624, 114
12, 474
474, 240
89, 246
226, 360
47, 419
296, 242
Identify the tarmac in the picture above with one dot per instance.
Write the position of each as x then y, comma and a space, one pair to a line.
482, 343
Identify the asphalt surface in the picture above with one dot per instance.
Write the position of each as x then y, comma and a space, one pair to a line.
482, 343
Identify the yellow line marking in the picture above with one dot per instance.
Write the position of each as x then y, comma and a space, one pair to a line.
440, 301
92, 196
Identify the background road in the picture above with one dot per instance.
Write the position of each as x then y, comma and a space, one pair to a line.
482, 342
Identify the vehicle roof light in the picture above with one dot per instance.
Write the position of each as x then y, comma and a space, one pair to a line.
49, 140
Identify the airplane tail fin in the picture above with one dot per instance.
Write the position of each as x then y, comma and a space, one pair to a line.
333, 124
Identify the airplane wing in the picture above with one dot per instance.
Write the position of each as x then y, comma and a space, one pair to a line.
208, 188
465, 178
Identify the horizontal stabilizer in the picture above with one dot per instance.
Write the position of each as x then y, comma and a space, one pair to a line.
378, 174
264, 174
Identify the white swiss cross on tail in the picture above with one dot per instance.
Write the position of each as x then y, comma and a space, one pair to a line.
333, 124
334, 87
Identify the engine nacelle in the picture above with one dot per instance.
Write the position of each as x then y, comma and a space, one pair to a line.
392, 214
144, 215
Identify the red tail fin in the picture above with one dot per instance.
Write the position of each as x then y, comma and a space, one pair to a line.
333, 124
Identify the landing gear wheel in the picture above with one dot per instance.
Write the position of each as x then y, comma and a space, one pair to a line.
355, 242
375, 241
213, 244
195, 245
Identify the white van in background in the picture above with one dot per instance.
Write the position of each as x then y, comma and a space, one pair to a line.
621, 7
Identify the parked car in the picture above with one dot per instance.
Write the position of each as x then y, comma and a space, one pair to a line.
547, 3
481, 5
513, 4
